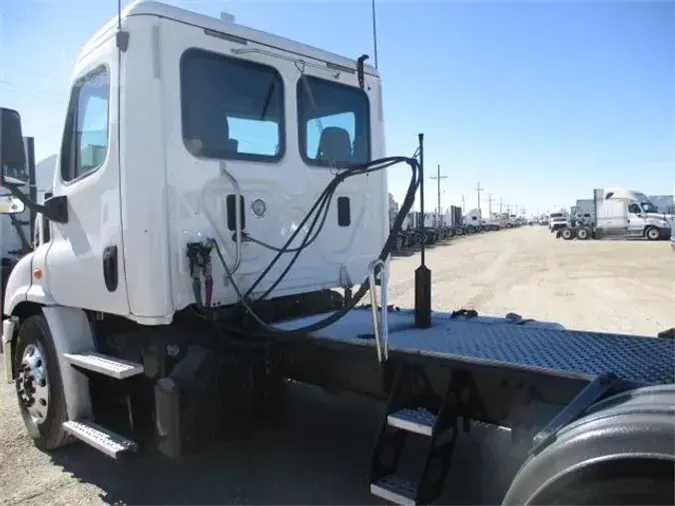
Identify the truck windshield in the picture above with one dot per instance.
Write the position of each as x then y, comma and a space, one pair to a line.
333, 122
648, 207
556, 215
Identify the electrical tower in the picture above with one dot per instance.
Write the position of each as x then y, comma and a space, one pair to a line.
438, 178
478, 190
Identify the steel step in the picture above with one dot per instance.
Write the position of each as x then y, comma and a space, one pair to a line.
395, 489
110, 366
419, 421
100, 438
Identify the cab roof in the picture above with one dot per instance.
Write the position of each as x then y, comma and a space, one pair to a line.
161, 10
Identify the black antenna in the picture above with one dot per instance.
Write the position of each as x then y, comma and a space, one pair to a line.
422, 274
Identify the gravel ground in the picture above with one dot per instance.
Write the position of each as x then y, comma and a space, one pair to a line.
320, 451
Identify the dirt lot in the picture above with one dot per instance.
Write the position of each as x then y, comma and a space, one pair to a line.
320, 452
610, 286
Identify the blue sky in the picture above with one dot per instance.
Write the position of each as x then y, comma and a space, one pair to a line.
539, 101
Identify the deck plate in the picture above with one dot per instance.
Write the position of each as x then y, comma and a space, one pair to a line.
495, 341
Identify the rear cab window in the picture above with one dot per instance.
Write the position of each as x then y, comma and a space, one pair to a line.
231, 108
333, 122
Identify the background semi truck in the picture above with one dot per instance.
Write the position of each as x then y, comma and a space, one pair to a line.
157, 308
618, 213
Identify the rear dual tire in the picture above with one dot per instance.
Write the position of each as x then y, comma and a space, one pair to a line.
583, 234
620, 452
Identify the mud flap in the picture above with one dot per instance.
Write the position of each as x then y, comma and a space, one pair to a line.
182, 404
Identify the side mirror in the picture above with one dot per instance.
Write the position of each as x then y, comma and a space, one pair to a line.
12, 153
11, 205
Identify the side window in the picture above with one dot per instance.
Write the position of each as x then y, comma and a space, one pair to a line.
85, 141
333, 121
231, 108
634, 209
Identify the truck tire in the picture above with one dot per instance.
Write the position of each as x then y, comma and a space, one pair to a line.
567, 233
652, 233
39, 388
622, 451
583, 234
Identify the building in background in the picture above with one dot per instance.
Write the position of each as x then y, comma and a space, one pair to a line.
664, 203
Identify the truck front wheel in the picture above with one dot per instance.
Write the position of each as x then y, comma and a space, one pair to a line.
38, 385
652, 233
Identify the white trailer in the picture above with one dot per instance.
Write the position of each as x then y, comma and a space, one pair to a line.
156, 306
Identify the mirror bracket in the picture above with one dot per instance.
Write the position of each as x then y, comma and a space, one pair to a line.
54, 209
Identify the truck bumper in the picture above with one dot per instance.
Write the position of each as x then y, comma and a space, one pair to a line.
665, 233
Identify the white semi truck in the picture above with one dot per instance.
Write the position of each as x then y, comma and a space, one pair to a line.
191, 164
619, 213
557, 220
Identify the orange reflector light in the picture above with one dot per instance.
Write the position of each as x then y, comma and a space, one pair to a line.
37, 273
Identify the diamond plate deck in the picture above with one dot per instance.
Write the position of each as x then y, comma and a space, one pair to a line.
494, 341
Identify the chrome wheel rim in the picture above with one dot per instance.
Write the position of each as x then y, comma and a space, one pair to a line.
33, 385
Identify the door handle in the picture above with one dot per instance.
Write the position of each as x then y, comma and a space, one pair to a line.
110, 273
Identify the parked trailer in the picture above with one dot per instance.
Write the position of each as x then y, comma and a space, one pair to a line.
454, 220
169, 330
619, 214
17, 224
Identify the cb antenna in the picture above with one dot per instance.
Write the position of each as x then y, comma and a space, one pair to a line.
372, 9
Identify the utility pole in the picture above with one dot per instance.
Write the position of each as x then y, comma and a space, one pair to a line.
462, 204
500, 206
490, 205
479, 189
438, 178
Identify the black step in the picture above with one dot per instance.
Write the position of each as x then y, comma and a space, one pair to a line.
419, 421
395, 489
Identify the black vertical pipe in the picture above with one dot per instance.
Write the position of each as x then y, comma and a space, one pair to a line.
422, 274
32, 180
421, 146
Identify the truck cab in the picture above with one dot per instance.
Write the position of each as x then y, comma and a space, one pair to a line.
628, 213
556, 221
252, 127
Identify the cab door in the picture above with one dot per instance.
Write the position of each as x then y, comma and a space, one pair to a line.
636, 223
84, 264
